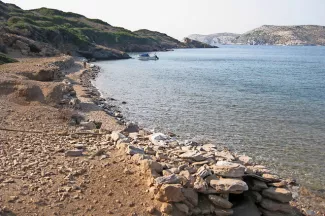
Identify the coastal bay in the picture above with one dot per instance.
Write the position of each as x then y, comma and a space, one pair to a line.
263, 101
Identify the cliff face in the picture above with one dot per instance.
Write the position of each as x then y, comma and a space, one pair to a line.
270, 35
48, 32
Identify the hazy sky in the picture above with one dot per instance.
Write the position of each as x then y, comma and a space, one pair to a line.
179, 18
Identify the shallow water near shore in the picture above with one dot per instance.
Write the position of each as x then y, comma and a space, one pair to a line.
265, 101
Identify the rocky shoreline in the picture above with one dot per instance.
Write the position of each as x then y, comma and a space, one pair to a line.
78, 155
227, 183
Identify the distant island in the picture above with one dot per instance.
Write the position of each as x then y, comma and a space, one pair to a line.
49, 32
300, 35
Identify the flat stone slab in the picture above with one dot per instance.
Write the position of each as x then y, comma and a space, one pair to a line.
279, 194
193, 155
228, 169
226, 185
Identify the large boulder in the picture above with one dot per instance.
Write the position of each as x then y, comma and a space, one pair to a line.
228, 169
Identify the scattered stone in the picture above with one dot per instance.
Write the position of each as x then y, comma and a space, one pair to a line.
171, 179
116, 135
132, 150
246, 160
131, 128
158, 139
193, 155
74, 153
226, 155
13, 199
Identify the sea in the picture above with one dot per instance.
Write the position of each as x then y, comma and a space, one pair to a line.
267, 102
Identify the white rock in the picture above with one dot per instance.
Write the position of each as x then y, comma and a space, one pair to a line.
158, 139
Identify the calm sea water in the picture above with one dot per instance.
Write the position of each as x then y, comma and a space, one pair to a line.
265, 101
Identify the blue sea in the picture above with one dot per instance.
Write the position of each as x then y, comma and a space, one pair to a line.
267, 102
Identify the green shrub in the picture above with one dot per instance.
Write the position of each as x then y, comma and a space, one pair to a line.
5, 59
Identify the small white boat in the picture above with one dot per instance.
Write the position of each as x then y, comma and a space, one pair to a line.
146, 57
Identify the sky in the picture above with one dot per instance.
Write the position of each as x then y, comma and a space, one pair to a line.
180, 18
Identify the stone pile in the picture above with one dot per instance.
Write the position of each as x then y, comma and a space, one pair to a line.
200, 179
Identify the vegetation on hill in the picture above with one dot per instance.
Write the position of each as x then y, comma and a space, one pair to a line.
5, 59
73, 33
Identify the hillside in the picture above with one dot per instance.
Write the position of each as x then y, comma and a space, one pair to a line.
270, 35
48, 32
284, 35
215, 39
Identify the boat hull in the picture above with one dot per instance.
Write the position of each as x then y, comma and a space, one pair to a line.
147, 58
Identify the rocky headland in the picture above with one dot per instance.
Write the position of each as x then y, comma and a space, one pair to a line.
49, 32
65, 150
300, 35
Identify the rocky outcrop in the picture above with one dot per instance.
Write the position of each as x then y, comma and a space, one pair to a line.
196, 44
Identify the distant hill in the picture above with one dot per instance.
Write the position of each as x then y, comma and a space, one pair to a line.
47, 32
216, 39
270, 35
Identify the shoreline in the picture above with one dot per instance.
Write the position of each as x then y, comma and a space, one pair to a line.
295, 188
104, 163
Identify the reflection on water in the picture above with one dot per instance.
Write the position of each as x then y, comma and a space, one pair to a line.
267, 102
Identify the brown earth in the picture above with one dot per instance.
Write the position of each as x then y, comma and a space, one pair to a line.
36, 178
